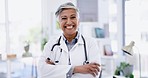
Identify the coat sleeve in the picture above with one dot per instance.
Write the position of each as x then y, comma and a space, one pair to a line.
94, 52
51, 71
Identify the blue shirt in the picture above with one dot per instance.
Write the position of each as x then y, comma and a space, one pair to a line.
72, 43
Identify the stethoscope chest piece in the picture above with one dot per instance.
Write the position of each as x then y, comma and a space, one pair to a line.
85, 62
56, 62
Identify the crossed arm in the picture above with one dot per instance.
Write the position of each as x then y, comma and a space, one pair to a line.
91, 68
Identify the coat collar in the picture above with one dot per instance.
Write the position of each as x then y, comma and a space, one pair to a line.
63, 44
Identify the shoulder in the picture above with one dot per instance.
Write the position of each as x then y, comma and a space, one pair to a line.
89, 39
52, 41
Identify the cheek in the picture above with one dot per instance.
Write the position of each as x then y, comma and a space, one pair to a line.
61, 25
77, 23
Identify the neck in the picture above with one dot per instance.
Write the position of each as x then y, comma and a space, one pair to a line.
70, 37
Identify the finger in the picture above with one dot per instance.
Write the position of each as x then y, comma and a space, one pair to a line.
90, 72
96, 64
96, 67
49, 62
93, 74
94, 70
46, 61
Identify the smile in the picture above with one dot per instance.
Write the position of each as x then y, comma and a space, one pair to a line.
69, 27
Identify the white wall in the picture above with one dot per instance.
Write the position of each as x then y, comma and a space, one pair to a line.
103, 14
49, 8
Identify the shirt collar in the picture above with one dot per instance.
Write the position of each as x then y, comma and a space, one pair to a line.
76, 38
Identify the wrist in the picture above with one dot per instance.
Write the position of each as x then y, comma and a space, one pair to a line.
76, 69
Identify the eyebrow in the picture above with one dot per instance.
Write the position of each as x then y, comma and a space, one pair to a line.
70, 15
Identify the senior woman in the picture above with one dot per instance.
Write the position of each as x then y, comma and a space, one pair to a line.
71, 55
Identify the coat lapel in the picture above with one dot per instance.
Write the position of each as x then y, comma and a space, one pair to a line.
63, 45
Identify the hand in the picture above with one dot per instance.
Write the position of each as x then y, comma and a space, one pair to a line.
91, 68
48, 61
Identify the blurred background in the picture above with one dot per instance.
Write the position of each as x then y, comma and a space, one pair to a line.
31, 23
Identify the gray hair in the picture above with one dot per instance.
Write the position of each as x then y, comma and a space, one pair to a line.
66, 6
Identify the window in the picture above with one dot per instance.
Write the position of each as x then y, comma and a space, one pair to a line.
2, 27
24, 25
113, 24
20, 22
136, 28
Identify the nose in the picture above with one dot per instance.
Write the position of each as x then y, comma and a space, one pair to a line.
69, 21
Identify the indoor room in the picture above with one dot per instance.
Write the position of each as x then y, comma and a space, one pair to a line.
119, 27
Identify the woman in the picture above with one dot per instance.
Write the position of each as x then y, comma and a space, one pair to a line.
71, 55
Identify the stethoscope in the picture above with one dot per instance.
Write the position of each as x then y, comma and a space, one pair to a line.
58, 44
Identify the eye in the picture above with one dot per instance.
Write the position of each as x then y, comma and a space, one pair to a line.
73, 17
63, 18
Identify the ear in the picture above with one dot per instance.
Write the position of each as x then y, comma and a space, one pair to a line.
78, 22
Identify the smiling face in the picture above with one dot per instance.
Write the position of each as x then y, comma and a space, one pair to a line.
68, 20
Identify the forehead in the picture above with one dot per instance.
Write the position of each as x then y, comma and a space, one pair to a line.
68, 11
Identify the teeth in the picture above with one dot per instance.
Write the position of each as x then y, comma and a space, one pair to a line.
69, 27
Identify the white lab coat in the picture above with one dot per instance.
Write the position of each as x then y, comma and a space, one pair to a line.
76, 55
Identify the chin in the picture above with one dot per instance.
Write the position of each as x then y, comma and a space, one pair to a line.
70, 33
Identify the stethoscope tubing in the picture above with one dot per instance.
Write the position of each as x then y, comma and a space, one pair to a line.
58, 44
